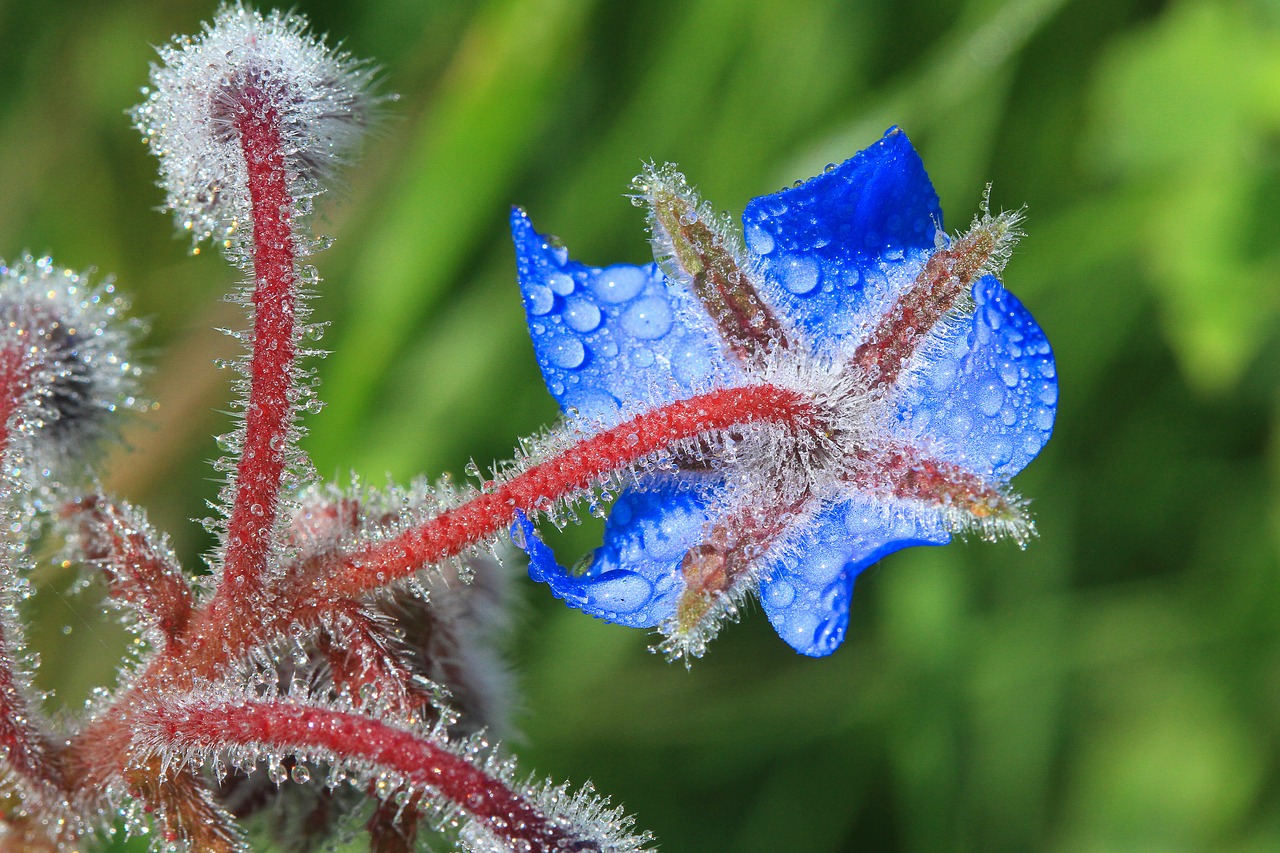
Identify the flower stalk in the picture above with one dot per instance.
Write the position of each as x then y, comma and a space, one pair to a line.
657, 432
269, 415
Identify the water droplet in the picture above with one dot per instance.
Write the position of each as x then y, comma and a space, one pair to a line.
560, 283
1044, 419
779, 594
1001, 452
690, 362
591, 406
648, 319
566, 352
581, 315
300, 774
990, 399
618, 283
800, 275
642, 357
539, 299
759, 240
821, 566
619, 592
1009, 373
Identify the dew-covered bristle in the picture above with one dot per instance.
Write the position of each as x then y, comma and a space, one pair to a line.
198, 90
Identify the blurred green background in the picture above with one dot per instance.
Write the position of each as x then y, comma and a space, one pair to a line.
1114, 687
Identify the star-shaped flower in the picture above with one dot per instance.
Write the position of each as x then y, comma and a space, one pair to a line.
925, 385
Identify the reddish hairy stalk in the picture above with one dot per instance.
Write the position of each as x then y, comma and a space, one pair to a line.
140, 574
26, 750
938, 287
14, 376
565, 474
701, 254
713, 567
289, 728
361, 652
904, 472
212, 641
186, 810
270, 414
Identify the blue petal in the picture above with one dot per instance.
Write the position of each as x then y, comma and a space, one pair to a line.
987, 400
842, 244
634, 578
611, 339
806, 595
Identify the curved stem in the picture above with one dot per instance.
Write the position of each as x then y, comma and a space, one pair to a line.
290, 727
270, 413
563, 475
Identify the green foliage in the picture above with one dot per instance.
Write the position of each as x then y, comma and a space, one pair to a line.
1115, 687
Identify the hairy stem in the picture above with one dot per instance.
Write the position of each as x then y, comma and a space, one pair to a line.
15, 374
270, 413
564, 475
288, 727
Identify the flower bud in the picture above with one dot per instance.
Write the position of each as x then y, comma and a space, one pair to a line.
65, 363
203, 86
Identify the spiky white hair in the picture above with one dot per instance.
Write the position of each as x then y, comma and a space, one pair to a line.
321, 97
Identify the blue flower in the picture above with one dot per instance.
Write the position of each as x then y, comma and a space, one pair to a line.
929, 383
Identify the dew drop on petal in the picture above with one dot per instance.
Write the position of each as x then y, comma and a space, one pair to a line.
540, 299
690, 363
800, 275
567, 352
1009, 373
990, 399
581, 315
621, 514
759, 240
618, 283
642, 357
820, 566
590, 405
560, 283
779, 594
1001, 452
620, 592
1044, 419
648, 319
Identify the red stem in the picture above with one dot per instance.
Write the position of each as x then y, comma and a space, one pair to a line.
290, 728
270, 414
14, 375
564, 474
26, 749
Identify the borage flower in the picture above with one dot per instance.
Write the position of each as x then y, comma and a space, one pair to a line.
917, 387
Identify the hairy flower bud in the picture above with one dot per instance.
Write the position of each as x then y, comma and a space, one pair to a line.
247, 62
64, 347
